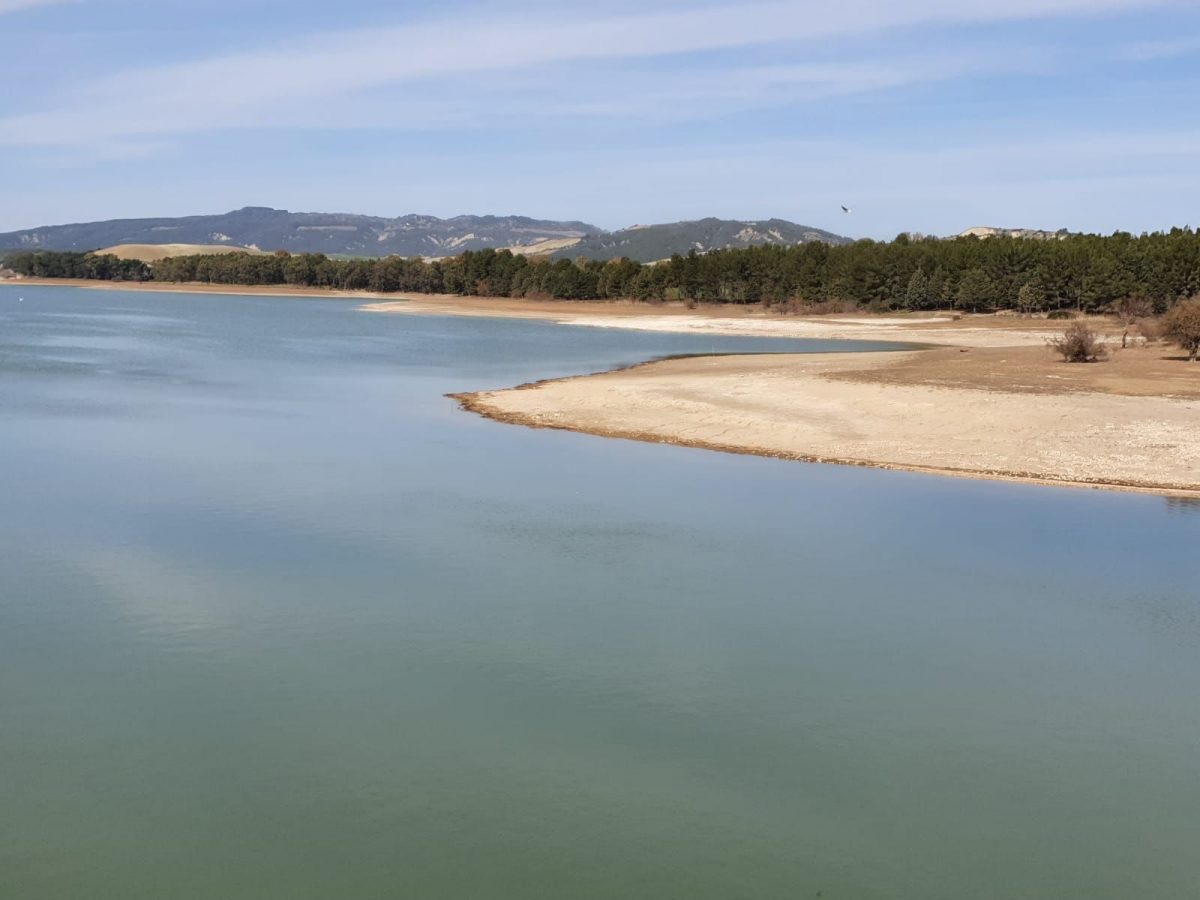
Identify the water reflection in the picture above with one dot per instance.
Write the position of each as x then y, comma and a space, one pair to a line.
1186, 505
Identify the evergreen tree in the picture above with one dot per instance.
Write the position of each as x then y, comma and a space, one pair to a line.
919, 294
974, 290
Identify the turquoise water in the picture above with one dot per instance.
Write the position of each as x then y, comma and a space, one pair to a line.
277, 620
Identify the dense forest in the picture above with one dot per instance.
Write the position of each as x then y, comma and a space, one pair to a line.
1088, 273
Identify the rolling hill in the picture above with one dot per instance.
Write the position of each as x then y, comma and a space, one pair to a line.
647, 243
343, 234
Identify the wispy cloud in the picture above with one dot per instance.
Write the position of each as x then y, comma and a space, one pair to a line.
295, 82
684, 95
1144, 51
10, 6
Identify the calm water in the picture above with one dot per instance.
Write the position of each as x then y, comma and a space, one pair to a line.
278, 621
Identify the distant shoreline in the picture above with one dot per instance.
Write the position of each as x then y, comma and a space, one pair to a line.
988, 400
167, 287
716, 318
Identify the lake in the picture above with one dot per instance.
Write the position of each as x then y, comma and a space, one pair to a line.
278, 620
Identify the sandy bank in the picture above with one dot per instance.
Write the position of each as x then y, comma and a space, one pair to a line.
753, 321
885, 410
750, 321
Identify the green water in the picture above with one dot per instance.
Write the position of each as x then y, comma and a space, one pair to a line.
278, 621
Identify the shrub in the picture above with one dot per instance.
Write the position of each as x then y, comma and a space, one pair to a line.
1182, 325
1079, 344
1059, 314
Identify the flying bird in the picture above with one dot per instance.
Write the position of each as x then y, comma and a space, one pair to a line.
847, 209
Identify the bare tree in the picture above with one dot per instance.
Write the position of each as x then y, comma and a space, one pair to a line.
1182, 325
1079, 344
1130, 309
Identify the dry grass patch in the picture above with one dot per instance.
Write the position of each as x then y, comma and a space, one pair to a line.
149, 253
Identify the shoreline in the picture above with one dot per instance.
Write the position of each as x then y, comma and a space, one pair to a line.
1130, 424
168, 287
744, 320
748, 320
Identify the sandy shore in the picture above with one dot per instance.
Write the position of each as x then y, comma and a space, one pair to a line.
750, 321
710, 319
842, 408
989, 400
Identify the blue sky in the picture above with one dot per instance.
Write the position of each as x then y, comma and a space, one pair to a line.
924, 115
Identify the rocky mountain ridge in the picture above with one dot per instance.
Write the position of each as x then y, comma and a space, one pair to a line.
344, 234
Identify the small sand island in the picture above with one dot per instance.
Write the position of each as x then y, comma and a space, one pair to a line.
987, 399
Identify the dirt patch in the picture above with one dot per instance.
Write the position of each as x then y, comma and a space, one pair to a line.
1141, 371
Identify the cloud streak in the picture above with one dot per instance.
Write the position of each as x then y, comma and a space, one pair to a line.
294, 82
11, 6
1146, 51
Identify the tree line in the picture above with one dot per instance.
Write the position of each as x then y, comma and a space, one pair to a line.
43, 264
1087, 273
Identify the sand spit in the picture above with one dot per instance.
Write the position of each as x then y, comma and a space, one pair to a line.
889, 410
989, 400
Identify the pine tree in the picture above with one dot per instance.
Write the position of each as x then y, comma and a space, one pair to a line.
918, 295
1031, 296
974, 290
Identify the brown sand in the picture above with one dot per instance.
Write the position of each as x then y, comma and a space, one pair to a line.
735, 320
1009, 413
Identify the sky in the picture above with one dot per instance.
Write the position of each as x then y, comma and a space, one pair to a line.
923, 116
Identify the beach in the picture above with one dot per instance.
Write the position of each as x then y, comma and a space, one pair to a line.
844, 408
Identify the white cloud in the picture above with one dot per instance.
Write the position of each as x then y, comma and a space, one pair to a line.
298, 81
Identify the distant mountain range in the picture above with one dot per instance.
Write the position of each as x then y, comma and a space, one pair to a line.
647, 243
343, 234
1037, 234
